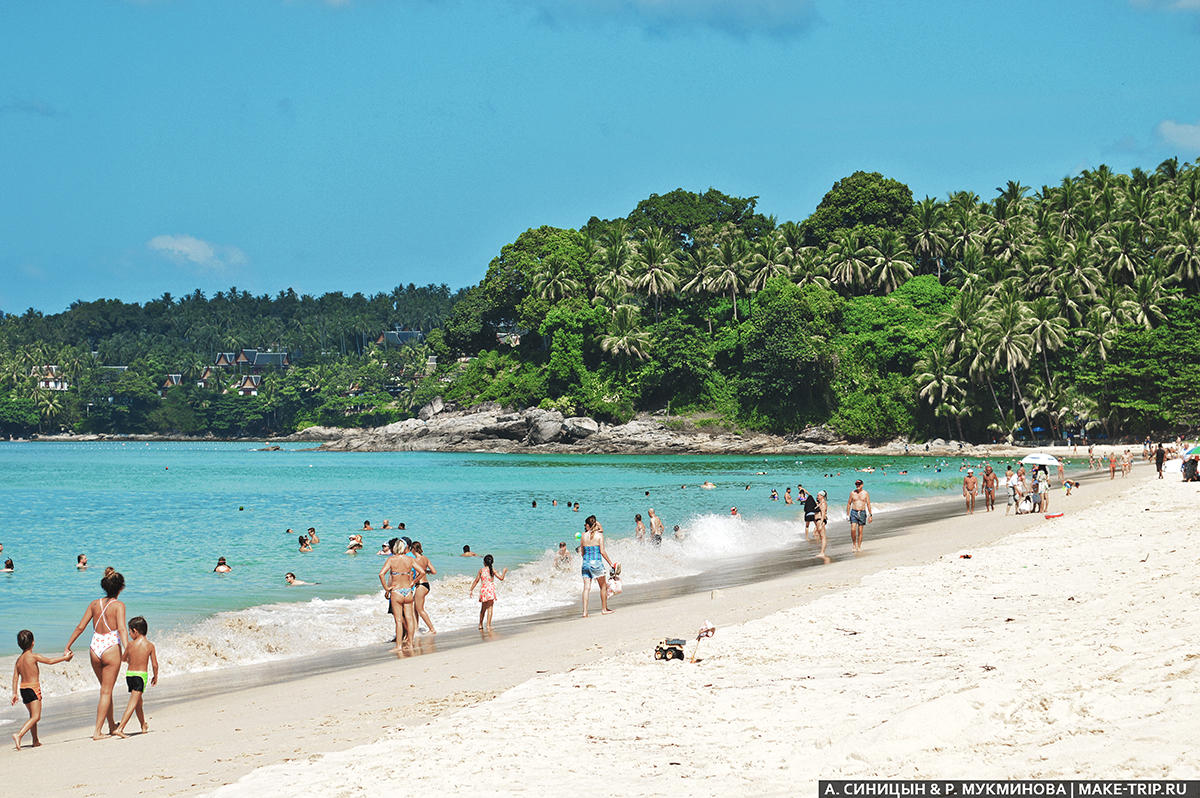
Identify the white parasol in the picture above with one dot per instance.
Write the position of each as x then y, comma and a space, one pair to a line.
1040, 458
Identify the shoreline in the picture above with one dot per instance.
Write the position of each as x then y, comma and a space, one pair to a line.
1027, 659
456, 675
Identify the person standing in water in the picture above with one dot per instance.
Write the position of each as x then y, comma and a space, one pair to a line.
810, 510
594, 557
418, 553
657, 528
487, 589
858, 507
399, 579
822, 518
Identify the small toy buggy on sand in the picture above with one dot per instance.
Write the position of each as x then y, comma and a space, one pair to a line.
671, 648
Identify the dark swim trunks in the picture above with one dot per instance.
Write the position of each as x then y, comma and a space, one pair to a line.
135, 684
30, 694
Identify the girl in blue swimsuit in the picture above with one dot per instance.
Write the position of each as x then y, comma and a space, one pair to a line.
594, 557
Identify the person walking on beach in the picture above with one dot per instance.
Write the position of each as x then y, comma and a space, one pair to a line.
1160, 454
417, 553
594, 558
107, 616
487, 589
142, 658
27, 687
990, 480
810, 511
970, 487
399, 579
858, 507
1010, 481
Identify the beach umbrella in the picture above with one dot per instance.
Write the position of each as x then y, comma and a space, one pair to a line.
1194, 450
1040, 458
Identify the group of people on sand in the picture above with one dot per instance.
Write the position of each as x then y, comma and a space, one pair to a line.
1027, 492
405, 580
115, 641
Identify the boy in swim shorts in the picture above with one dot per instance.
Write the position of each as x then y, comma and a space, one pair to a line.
141, 656
26, 685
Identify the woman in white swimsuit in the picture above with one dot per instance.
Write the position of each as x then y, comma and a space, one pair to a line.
109, 638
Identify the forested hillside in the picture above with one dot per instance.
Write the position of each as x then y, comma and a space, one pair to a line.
1072, 307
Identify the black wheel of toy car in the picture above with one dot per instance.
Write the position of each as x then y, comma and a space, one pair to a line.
658, 653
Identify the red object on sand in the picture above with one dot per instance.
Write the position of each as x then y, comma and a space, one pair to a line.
1054, 515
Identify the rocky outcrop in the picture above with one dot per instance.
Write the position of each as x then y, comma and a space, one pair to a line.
491, 428
545, 426
580, 427
432, 409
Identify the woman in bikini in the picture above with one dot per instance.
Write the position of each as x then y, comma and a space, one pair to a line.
428, 570
487, 589
399, 579
107, 616
822, 518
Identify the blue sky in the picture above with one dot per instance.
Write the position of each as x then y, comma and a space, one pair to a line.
166, 145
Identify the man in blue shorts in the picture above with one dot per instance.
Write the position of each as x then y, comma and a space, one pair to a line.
858, 507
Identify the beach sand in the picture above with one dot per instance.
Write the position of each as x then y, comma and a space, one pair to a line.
1059, 650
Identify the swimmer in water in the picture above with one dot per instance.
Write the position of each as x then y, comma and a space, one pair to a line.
708, 485
303, 541
385, 549
312, 536
733, 511
222, 566
291, 579
81, 562
386, 524
366, 527
467, 552
354, 545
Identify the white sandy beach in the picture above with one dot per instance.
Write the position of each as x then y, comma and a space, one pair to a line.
1061, 648
1067, 650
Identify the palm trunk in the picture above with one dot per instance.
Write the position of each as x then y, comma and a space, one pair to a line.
1021, 402
733, 295
1046, 365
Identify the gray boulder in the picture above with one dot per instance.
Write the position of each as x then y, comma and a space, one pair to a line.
818, 434
432, 409
544, 425
580, 427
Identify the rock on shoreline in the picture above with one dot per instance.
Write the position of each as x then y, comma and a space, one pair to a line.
491, 428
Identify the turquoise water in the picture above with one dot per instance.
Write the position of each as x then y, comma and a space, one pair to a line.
162, 513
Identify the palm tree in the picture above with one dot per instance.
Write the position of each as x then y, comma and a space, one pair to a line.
49, 405
846, 259
1122, 251
625, 340
554, 282
654, 260
1150, 297
1098, 333
940, 388
725, 273
1008, 319
1048, 329
929, 245
892, 262
769, 260
1182, 253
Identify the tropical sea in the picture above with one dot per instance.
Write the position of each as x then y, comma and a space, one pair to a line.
161, 513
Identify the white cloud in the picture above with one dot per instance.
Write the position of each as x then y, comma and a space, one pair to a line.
189, 249
1181, 135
